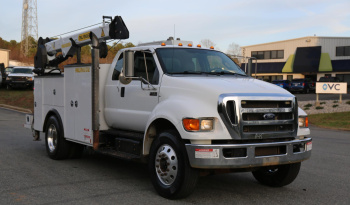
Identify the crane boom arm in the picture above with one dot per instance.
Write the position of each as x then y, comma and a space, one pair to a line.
69, 45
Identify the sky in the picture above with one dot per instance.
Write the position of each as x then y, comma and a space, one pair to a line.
243, 22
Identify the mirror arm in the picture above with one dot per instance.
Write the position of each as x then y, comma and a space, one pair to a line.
142, 80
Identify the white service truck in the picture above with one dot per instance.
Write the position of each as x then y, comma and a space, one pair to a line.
180, 108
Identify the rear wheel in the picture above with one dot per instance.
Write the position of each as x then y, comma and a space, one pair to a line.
170, 171
57, 146
277, 176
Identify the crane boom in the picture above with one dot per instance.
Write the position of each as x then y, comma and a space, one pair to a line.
48, 49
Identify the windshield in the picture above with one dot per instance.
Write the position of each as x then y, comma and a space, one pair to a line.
192, 61
22, 70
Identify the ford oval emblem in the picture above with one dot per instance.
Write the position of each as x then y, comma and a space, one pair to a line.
269, 116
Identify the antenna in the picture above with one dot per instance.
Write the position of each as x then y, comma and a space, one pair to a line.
174, 32
29, 26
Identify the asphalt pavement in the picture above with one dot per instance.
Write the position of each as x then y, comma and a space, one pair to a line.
28, 176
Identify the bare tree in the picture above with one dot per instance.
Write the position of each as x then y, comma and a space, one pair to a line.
234, 49
207, 43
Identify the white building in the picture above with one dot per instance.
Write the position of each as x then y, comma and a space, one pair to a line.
4, 56
307, 57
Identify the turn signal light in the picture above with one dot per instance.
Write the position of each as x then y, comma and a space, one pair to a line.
191, 124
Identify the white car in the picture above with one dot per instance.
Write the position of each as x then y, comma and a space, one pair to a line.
20, 77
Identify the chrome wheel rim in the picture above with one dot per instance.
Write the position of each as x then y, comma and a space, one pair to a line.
52, 137
166, 164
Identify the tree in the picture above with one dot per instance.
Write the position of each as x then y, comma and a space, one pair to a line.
207, 43
234, 49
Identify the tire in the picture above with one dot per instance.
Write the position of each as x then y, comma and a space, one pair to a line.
57, 147
169, 168
277, 176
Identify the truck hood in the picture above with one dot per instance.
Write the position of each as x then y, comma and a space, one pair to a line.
217, 85
20, 75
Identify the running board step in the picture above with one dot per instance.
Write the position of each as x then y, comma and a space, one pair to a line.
118, 154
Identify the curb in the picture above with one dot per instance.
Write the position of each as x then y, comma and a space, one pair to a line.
19, 109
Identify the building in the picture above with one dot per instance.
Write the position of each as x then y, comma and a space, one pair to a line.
307, 57
4, 56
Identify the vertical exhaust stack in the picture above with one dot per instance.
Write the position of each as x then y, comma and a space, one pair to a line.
250, 62
95, 54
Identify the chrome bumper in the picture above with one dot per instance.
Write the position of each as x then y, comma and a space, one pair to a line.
212, 156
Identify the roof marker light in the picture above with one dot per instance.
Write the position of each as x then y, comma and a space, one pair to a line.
163, 44
211, 47
180, 44
190, 45
199, 46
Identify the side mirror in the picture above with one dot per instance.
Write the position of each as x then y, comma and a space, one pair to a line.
128, 68
128, 64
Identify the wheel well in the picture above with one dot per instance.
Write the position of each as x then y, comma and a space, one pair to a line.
156, 127
52, 112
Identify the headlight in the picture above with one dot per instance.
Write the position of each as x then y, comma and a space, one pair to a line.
303, 121
201, 124
30, 78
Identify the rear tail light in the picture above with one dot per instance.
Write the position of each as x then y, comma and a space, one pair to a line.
303, 84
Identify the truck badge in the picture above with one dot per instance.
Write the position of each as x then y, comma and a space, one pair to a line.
269, 116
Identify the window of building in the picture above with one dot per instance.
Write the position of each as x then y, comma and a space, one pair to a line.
278, 54
342, 51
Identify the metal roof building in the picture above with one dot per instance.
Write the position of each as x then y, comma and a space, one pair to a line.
307, 57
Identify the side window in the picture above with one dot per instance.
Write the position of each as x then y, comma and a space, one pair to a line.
118, 67
145, 67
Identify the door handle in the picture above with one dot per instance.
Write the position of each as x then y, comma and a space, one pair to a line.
122, 92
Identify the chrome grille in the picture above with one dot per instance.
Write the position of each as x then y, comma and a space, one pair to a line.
259, 116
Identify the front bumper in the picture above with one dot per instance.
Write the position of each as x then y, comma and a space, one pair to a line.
20, 83
212, 156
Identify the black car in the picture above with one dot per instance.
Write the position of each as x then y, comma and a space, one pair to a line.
304, 85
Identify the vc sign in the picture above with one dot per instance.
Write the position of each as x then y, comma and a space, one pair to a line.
331, 88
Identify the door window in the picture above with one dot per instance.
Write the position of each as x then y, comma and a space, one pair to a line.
145, 67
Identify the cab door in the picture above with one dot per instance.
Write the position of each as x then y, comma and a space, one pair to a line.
132, 104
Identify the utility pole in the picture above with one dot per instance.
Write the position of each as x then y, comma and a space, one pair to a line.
29, 26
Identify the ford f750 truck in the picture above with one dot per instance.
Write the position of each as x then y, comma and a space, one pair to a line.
182, 109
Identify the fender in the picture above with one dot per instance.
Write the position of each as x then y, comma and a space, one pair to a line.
184, 107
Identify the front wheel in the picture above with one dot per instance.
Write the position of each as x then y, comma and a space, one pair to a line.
277, 176
170, 171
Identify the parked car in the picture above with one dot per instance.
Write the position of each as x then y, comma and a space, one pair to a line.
304, 85
282, 83
329, 79
8, 70
20, 77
